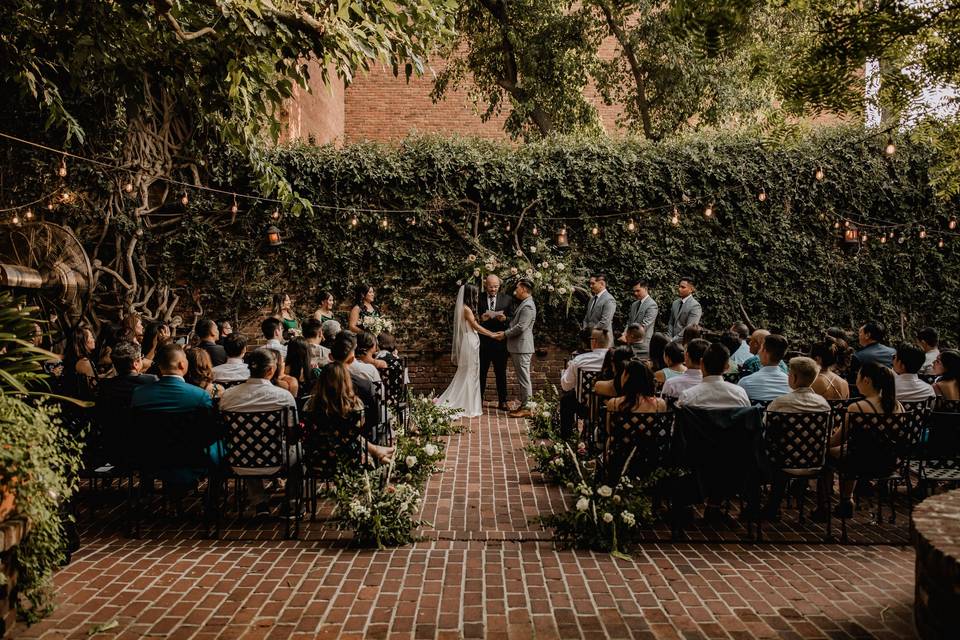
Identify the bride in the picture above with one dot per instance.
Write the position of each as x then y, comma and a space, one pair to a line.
464, 391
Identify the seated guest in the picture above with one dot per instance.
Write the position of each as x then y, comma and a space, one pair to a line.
802, 398
742, 353
363, 297
906, 364
280, 377
612, 387
226, 329
633, 338
876, 383
299, 364
340, 412
200, 372
208, 333
131, 328
732, 342
673, 361
234, 369
313, 334
872, 350
342, 350
658, 343
929, 339
116, 394
80, 373
714, 392
830, 353
272, 330
257, 394
365, 365
155, 335
752, 364
690, 333
693, 376
570, 399
770, 381
947, 366
639, 391
330, 329
584, 338
388, 353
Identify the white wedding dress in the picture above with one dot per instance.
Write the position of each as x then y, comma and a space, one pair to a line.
464, 391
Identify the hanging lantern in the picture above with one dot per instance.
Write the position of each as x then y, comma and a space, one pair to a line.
561, 239
273, 236
851, 236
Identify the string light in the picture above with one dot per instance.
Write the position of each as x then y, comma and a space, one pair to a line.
534, 231
185, 199
234, 208
864, 237
708, 212
28, 214
891, 148
901, 239
384, 223
595, 231
440, 220
16, 219
923, 232
836, 225
953, 223
50, 206
631, 226
276, 214
354, 221
819, 175
940, 243
675, 219
62, 170
883, 239
762, 196
128, 187
846, 223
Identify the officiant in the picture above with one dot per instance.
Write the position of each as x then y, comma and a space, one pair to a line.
494, 311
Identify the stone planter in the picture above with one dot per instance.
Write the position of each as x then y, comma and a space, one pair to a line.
12, 532
936, 536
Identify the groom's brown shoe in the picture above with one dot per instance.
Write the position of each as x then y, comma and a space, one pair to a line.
520, 413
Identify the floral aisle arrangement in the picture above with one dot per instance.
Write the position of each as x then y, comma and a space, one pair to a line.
376, 324
545, 444
554, 278
381, 505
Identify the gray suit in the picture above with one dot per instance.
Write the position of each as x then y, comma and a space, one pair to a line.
600, 310
681, 318
644, 312
519, 337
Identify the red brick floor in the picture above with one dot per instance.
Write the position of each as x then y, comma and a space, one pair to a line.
484, 569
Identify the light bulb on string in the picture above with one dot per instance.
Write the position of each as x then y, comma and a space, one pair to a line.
901, 239
595, 231
762, 196
234, 208
953, 223
28, 214
440, 220
923, 233
508, 227
631, 226
883, 239
50, 206
708, 212
891, 148
185, 199
384, 223
128, 187
836, 225
15, 219
62, 169
846, 223
819, 175
940, 243
864, 237
675, 218
353, 221
276, 214
534, 231
893, 234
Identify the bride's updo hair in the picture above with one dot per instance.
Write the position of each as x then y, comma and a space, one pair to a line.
471, 296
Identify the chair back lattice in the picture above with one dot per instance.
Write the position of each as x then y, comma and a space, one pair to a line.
940, 450
947, 406
797, 441
256, 439
395, 389
878, 441
919, 405
646, 435
585, 381
329, 445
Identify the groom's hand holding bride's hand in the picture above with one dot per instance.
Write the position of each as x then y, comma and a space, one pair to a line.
498, 335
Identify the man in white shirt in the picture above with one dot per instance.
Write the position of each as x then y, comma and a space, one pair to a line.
312, 333
693, 376
929, 340
802, 398
255, 395
234, 369
600, 340
742, 353
906, 364
273, 331
714, 392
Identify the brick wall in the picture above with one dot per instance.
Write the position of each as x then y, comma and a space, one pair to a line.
936, 537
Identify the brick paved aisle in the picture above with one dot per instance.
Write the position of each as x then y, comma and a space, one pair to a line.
485, 570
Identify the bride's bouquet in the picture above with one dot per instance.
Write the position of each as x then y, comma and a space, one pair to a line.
376, 325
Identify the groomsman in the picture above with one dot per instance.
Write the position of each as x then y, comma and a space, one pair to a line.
601, 307
643, 312
494, 310
685, 310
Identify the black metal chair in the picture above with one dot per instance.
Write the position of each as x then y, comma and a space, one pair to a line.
879, 447
938, 457
379, 429
795, 446
395, 390
174, 447
585, 395
329, 449
641, 442
260, 445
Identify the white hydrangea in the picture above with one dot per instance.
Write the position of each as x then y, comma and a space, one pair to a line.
604, 491
628, 518
546, 264
585, 490
583, 504
519, 253
533, 249
549, 287
608, 517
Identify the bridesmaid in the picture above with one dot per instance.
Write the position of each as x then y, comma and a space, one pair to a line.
364, 295
283, 311
324, 310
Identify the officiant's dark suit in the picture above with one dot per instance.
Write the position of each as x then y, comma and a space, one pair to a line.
495, 351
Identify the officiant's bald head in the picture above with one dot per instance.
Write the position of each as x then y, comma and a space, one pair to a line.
491, 284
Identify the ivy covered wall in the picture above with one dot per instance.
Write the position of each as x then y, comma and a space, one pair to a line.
779, 259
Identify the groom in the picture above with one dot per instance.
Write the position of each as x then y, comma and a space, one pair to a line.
519, 337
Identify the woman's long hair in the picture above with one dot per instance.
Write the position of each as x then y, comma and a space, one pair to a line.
831, 352
152, 339
640, 383
299, 359
883, 381
658, 342
129, 327
333, 394
199, 368
276, 305
471, 297
359, 293
950, 359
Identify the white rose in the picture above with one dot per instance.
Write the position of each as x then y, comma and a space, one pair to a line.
561, 290
411, 461
519, 253
529, 271
545, 264
560, 266
533, 249
546, 414
430, 450
585, 490
608, 517
583, 504
604, 491
471, 258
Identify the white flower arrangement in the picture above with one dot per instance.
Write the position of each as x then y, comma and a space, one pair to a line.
376, 324
562, 290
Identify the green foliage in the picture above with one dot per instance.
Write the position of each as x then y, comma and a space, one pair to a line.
20, 361
431, 419
39, 460
780, 259
379, 512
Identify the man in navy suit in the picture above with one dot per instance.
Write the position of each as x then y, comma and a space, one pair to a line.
871, 337
494, 310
